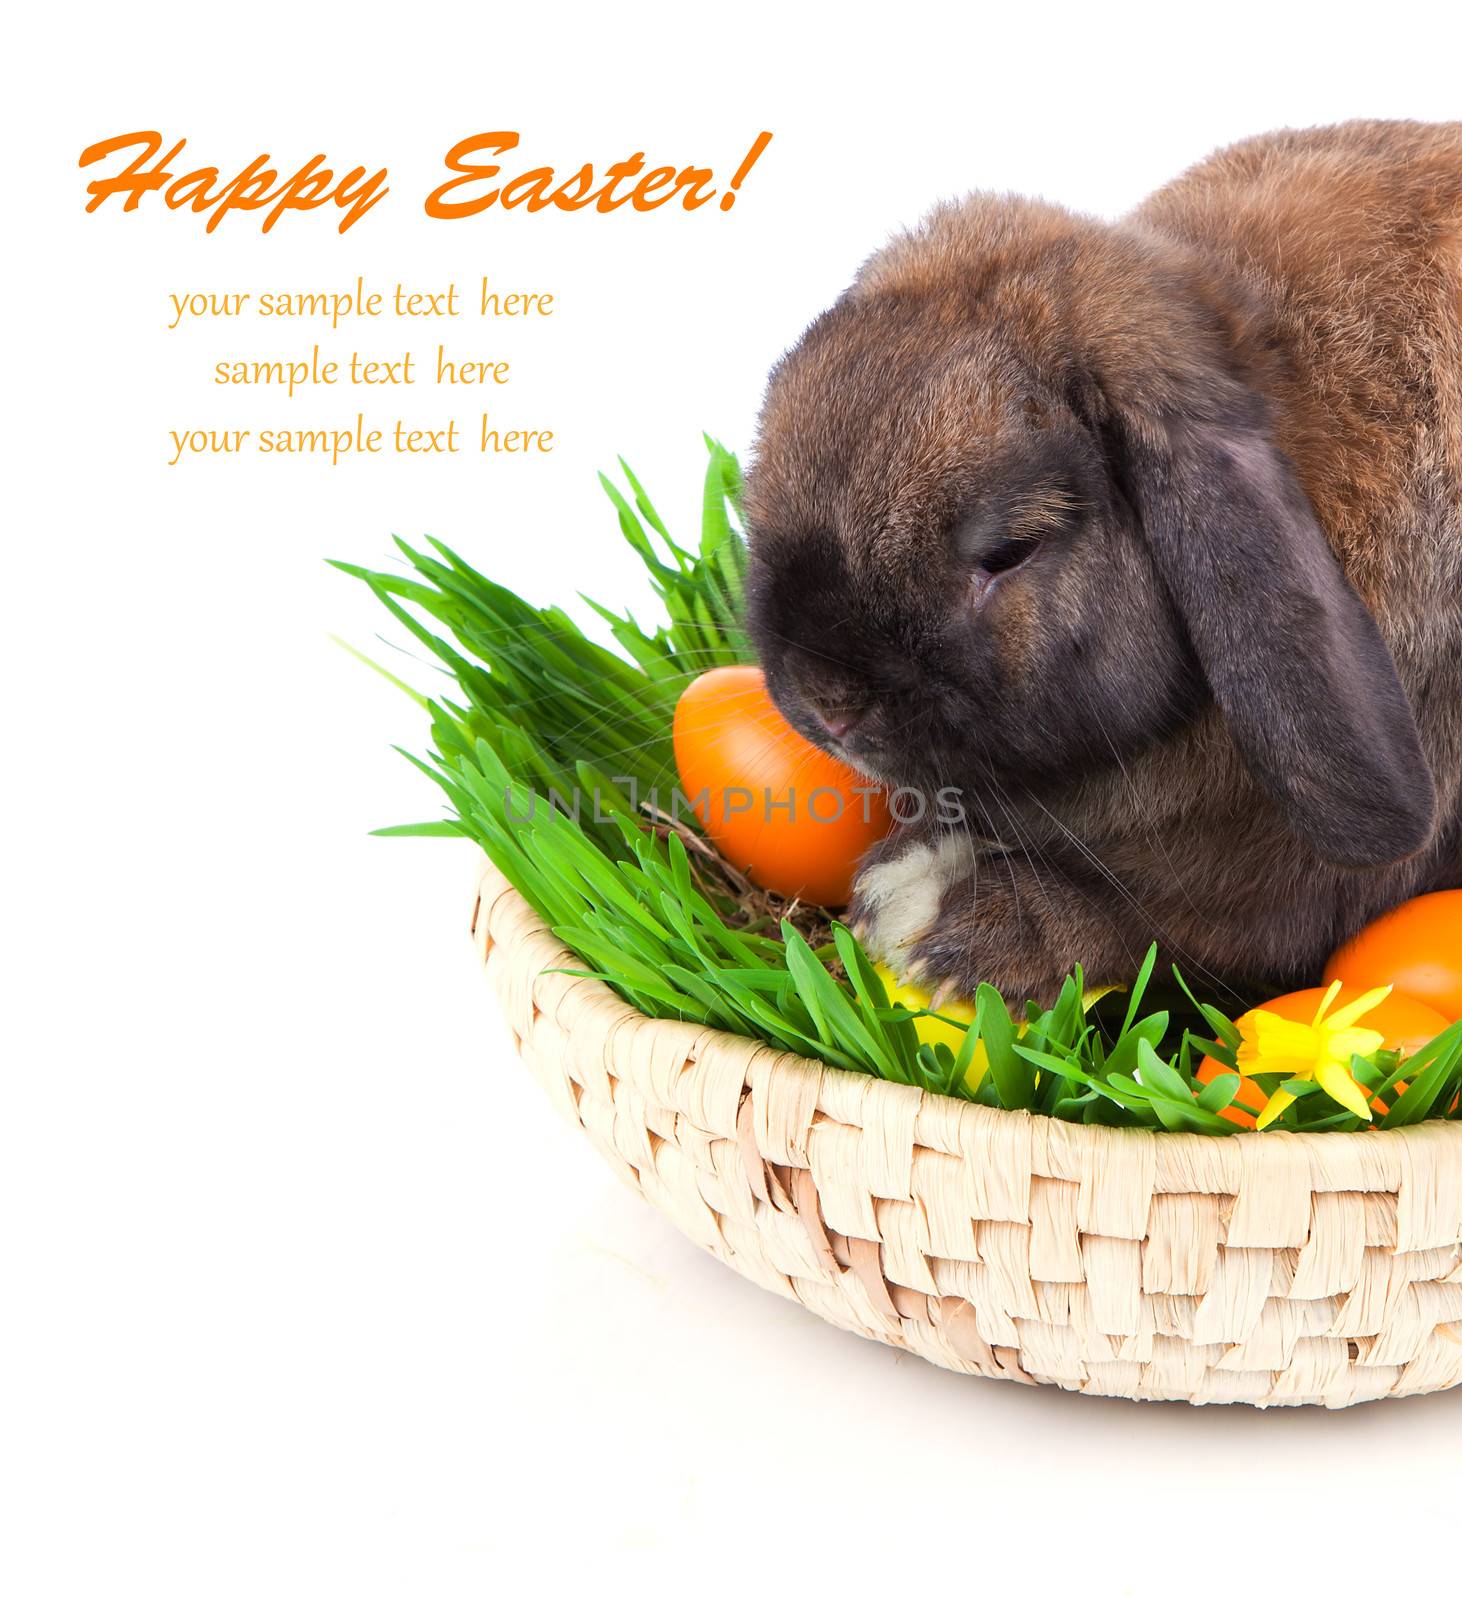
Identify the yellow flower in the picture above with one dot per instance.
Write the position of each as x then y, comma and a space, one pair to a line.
1318, 1050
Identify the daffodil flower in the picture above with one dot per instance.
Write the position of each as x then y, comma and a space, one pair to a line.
1318, 1050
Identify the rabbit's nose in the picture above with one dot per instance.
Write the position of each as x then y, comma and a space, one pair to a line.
839, 724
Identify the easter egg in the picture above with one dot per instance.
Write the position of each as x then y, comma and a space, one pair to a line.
1416, 947
793, 818
935, 1030
938, 1030
1243, 1110
1406, 1025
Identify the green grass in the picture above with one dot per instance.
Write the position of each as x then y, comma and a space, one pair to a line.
533, 711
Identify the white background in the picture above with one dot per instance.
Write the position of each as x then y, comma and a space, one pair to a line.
306, 1291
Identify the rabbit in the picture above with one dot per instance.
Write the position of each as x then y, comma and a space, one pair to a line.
1129, 555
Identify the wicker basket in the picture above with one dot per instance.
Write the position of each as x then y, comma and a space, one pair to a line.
1276, 1269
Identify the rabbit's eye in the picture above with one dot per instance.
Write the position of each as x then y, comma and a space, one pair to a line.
1005, 555
1009, 553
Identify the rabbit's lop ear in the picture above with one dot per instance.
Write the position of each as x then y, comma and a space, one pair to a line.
1292, 656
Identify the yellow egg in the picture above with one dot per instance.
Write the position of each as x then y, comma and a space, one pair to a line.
934, 1030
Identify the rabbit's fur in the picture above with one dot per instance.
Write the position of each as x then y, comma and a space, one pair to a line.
1143, 543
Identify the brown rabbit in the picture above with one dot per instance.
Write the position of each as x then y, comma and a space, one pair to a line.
1134, 552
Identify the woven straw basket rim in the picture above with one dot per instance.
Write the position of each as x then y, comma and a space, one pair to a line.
1274, 1268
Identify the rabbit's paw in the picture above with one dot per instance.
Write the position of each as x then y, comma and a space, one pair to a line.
898, 892
998, 923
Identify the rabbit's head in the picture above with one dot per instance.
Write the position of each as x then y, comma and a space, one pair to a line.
1016, 513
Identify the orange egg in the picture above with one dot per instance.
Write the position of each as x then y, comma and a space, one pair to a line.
1406, 1024
790, 816
1417, 947
1243, 1109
